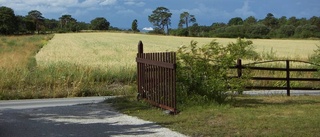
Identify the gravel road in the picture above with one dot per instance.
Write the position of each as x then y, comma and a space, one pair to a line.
87, 119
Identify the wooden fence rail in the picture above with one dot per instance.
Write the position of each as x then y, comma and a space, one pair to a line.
287, 69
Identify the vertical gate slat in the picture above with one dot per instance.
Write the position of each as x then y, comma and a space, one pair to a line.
169, 79
162, 80
174, 80
153, 79
158, 80
147, 78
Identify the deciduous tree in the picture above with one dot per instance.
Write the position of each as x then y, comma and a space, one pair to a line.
37, 18
235, 21
134, 25
160, 18
250, 21
100, 23
186, 18
67, 23
8, 24
270, 21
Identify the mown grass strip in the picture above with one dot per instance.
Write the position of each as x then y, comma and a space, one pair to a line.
244, 116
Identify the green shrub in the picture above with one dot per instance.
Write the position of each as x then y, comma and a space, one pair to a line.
203, 71
315, 58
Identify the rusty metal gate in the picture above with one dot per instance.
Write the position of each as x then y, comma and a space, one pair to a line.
157, 78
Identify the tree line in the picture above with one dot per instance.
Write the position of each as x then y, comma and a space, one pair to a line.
34, 22
250, 27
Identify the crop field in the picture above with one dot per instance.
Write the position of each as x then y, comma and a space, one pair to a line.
117, 51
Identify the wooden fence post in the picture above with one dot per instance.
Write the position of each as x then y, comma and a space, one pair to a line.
140, 71
288, 77
239, 66
140, 47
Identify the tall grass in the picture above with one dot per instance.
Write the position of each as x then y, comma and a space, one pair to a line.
56, 80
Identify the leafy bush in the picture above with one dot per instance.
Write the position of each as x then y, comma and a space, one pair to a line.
203, 70
315, 57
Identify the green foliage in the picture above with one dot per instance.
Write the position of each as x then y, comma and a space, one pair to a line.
257, 31
8, 23
250, 21
186, 18
100, 23
179, 32
134, 25
160, 18
157, 31
286, 31
269, 27
37, 19
315, 58
270, 21
68, 24
235, 21
307, 31
203, 70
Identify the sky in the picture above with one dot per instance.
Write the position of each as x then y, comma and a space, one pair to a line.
121, 13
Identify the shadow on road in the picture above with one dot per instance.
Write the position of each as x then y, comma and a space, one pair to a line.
79, 121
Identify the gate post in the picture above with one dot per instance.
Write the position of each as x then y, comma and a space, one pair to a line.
140, 71
288, 77
239, 66
140, 47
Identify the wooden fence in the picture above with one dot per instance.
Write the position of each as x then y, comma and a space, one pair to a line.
157, 78
288, 78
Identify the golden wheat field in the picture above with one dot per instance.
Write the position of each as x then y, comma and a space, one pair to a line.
117, 51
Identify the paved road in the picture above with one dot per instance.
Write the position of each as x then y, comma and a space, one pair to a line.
39, 103
78, 117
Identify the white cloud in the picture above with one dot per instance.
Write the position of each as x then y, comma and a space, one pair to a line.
148, 28
244, 10
108, 2
147, 11
126, 11
134, 2
195, 11
89, 3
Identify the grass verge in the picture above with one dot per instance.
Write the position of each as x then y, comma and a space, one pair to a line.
245, 116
